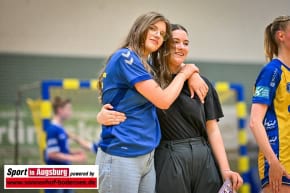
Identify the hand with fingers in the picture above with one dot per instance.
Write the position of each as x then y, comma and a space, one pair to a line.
276, 172
235, 178
107, 116
188, 70
197, 86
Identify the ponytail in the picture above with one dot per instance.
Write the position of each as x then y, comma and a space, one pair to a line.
271, 44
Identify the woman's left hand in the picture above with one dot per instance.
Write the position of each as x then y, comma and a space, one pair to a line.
235, 178
197, 85
107, 116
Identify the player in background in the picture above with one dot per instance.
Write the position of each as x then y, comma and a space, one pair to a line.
270, 113
57, 151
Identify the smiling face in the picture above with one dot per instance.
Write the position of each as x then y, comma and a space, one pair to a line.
156, 35
179, 49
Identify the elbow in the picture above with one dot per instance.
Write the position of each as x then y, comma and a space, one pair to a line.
163, 104
253, 123
164, 107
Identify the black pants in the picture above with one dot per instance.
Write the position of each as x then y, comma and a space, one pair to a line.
186, 166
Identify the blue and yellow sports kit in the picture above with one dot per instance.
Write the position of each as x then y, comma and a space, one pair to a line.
273, 89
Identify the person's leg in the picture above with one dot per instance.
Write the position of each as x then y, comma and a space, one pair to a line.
148, 180
119, 174
208, 178
171, 165
105, 169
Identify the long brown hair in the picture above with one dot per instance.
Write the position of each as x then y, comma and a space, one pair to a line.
271, 44
136, 41
163, 74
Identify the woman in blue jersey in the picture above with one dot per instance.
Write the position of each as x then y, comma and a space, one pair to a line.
126, 156
270, 114
191, 140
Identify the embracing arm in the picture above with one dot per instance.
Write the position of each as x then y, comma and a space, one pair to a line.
218, 148
163, 98
153, 92
197, 86
107, 116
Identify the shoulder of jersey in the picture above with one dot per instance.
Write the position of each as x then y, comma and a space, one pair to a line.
52, 129
273, 66
128, 56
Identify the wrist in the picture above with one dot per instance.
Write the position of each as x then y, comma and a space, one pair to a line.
183, 75
225, 173
196, 69
272, 160
226, 170
195, 74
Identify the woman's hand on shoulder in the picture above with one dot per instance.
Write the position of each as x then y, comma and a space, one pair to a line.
197, 86
188, 70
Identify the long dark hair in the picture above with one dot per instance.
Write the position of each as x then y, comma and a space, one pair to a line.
271, 44
163, 74
136, 41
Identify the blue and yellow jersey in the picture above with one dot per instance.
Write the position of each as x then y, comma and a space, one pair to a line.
273, 89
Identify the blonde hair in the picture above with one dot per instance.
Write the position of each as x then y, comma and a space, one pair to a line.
271, 44
136, 41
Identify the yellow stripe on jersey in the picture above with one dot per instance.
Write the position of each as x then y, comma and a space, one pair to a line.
261, 165
281, 104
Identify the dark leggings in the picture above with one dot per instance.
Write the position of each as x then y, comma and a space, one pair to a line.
186, 166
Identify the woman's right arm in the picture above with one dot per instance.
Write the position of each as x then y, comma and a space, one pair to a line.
276, 170
152, 91
163, 98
